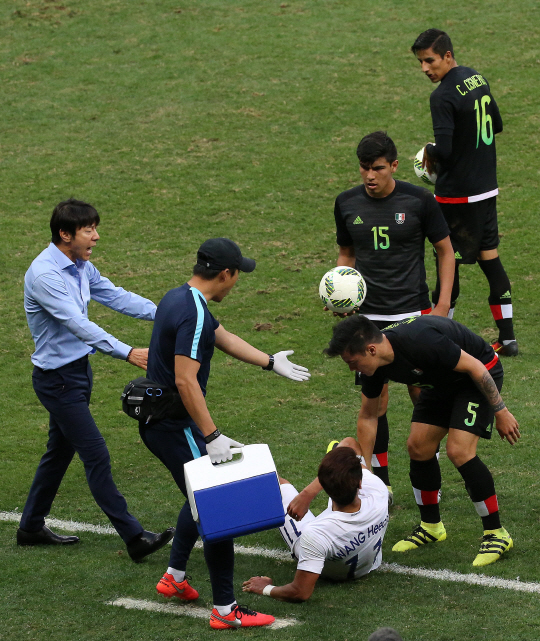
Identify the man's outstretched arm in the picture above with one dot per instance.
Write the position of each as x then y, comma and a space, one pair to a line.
366, 428
240, 349
296, 592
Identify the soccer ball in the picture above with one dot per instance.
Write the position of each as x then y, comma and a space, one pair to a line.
342, 289
423, 173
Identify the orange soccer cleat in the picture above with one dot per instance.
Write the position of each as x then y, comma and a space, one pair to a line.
168, 587
240, 617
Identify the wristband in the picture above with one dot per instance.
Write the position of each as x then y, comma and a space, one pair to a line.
212, 437
270, 365
127, 357
267, 589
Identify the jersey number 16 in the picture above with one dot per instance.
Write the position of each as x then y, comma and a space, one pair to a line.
483, 121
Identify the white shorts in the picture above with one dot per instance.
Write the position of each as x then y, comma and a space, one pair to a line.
292, 530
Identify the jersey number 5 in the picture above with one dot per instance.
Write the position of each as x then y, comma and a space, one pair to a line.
483, 121
472, 411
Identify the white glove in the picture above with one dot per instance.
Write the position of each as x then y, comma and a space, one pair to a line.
284, 367
219, 450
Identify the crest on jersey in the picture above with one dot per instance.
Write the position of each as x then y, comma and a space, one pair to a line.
400, 219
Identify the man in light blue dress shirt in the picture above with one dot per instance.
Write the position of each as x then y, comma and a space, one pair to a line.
57, 289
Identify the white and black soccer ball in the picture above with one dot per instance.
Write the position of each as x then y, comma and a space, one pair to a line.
342, 289
422, 173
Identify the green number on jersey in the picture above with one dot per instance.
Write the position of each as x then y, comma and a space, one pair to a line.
483, 121
471, 409
380, 237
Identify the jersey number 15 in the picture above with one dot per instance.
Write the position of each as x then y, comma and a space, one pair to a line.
380, 237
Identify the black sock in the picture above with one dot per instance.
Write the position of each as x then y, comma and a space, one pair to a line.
379, 460
426, 481
481, 489
500, 297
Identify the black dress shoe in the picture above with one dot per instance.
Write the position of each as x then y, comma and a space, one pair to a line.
147, 542
44, 537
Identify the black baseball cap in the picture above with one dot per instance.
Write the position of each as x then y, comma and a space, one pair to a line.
222, 253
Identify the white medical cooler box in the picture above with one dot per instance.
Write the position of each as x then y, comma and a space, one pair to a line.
237, 497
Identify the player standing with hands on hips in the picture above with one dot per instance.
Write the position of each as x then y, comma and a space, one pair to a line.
381, 229
183, 340
465, 120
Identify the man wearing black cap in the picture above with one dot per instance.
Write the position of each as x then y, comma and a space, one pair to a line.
181, 349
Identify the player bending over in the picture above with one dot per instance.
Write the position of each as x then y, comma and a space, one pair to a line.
343, 542
460, 377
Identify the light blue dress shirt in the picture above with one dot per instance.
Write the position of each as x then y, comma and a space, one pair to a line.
56, 296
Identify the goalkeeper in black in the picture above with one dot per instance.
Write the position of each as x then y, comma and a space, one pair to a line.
465, 120
460, 377
381, 229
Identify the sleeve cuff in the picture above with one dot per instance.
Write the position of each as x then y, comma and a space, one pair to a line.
121, 351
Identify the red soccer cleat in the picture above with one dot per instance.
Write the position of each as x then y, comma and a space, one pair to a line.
240, 617
168, 587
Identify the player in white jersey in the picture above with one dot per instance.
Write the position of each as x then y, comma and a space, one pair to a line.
343, 542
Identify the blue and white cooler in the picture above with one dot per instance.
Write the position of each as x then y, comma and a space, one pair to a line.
237, 497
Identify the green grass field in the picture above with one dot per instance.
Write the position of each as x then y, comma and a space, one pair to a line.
181, 121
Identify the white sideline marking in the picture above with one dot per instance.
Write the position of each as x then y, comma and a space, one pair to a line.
74, 526
184, 610
70, 526
456, 577
281, 555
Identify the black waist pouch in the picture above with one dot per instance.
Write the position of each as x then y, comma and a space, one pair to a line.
146, 400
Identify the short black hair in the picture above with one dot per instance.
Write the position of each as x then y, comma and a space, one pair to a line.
69, 216
385, 634
376, 145
340, 473
206, 273
434, 39
353, 335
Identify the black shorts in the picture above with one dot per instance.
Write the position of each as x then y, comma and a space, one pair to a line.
473, 228
466, 409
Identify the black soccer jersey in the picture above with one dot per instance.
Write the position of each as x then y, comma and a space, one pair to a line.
426, 350
388, 235
462, 106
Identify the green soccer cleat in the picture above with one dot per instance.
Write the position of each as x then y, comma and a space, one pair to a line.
494, 544
332, 446
422, 535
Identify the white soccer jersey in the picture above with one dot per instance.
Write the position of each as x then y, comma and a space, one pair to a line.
339, 545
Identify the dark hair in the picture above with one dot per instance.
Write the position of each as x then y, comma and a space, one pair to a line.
385, 634
353, 335
434, 39
69, 216
209, 274
339, 473
376, 145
